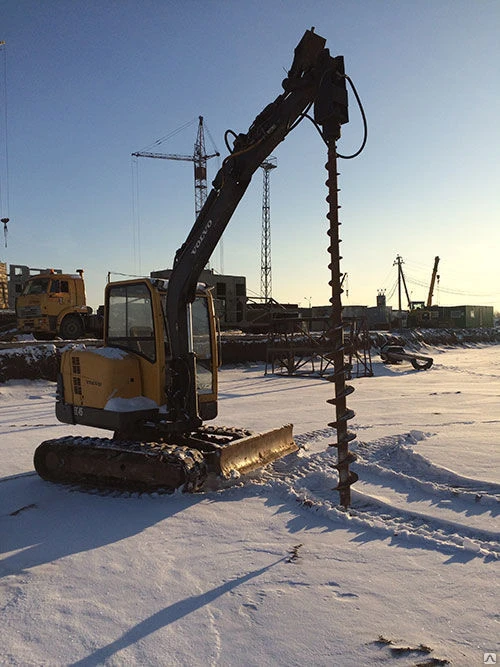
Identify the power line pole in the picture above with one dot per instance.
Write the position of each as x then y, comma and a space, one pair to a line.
265, 249
401, 280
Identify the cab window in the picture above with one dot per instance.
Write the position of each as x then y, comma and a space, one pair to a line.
59, 286
37, 286
130, 319
202, 345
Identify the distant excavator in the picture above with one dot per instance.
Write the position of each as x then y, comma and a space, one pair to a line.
154, 382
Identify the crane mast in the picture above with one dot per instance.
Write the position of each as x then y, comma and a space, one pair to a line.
265, 252
4, 150
200, 169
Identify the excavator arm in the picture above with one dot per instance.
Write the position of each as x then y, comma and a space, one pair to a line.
315, 78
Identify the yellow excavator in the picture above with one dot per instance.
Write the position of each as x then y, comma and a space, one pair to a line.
154, 381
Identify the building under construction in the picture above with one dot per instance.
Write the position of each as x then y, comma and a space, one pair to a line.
230, 295
4, 291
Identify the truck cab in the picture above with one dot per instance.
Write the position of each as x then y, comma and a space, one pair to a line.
53, 304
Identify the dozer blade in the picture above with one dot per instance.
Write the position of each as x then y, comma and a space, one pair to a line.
252, 452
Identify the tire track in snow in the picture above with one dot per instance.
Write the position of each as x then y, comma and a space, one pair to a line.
428, 527
392, 463
370, 514
393, 457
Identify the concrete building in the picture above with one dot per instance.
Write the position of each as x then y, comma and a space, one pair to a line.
4, 287
230, 295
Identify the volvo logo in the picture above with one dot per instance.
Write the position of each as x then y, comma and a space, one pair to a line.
201, 237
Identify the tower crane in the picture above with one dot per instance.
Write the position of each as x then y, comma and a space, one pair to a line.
199, 159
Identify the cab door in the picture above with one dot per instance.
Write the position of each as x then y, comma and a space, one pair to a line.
205, 348
134, 323
59, 296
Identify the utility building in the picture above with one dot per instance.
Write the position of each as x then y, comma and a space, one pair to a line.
381, 315
464, 317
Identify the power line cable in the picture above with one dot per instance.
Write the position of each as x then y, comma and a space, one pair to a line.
171, 134
4, 188
420, 283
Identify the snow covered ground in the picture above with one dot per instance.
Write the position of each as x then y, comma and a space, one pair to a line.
270, 571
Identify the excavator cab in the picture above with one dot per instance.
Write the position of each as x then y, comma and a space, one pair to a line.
124, 384
135, 321
130, 386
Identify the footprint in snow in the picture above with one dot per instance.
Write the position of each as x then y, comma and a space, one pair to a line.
345, 596
22, 509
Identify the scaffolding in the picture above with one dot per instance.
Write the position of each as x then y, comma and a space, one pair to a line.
357, 346
294, 347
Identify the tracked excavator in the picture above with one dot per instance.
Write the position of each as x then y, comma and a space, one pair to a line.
154, 381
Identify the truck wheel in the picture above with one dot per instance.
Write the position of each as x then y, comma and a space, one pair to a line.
421, 365
71, 327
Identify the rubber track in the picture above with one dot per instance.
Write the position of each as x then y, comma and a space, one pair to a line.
183, 467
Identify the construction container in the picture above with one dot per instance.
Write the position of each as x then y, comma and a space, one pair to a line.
465, 317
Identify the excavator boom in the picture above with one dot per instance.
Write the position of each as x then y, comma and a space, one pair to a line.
315, 77
433, 282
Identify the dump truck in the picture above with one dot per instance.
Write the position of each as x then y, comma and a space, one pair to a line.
153, 383
54, 304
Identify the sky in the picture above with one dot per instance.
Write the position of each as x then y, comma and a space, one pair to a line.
85, 84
